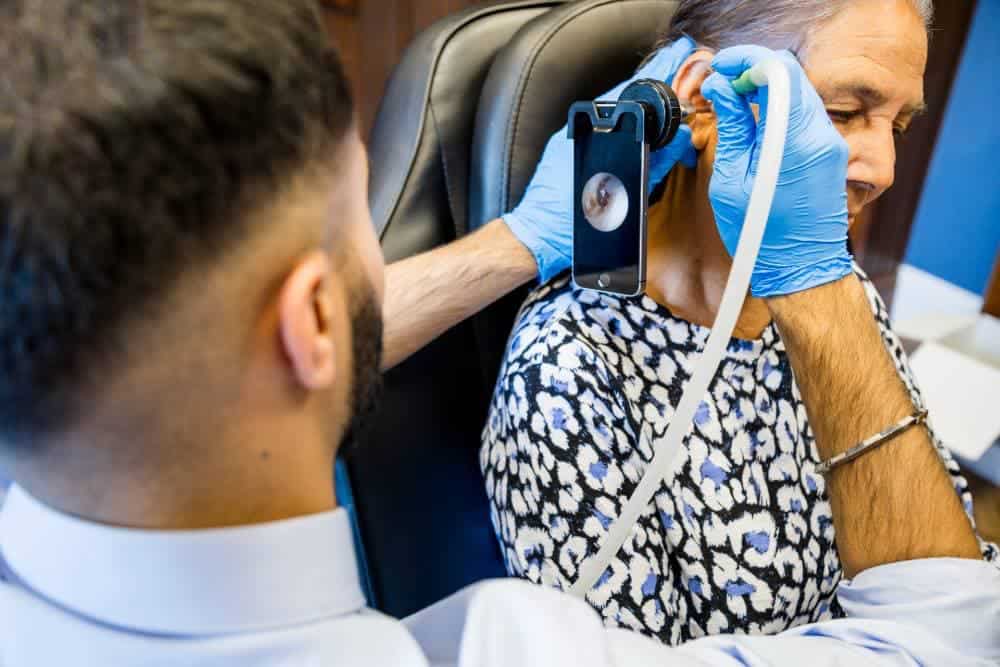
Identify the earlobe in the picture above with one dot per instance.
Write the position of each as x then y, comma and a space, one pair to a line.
305, 313
702, 127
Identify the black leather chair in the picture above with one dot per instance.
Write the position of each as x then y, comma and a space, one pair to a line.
456, 140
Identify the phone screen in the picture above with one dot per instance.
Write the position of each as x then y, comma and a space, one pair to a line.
609, 220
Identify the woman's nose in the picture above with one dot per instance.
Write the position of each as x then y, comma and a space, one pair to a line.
872, 155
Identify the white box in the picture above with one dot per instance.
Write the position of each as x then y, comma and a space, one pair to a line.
958, 370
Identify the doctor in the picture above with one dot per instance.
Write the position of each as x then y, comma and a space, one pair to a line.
189, 320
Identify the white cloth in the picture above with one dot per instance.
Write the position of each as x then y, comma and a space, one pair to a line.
286, 594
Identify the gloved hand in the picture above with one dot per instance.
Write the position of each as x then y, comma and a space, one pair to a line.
543, 221
805, 242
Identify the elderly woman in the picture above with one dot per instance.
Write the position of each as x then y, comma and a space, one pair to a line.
741, 539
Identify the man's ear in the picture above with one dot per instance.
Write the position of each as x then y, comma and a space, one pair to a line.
687, 84
305, 310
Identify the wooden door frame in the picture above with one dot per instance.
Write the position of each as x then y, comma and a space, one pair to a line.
343, 6
991, 300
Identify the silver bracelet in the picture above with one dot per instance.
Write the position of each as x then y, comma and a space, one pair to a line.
872, 442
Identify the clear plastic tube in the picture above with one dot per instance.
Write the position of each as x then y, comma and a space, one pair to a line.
773, 74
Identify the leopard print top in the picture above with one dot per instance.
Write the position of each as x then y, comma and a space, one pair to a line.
741, 540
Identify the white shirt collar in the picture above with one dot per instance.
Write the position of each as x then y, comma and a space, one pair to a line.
192, 583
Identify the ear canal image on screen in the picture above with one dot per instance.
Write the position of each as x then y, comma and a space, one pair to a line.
605, 202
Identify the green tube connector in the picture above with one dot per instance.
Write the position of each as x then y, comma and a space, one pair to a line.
745, 84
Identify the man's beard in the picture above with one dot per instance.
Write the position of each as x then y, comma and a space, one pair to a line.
366, 329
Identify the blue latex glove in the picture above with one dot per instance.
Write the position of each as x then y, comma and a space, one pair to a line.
543, 221
805, 243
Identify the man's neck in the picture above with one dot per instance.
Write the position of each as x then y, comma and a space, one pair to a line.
688, 265
269, 476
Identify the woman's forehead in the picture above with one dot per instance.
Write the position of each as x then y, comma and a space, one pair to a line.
873, 50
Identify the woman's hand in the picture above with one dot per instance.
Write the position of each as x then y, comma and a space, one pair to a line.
543, 221
805, 243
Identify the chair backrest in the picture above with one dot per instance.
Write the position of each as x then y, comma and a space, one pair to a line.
413, 482
460, 130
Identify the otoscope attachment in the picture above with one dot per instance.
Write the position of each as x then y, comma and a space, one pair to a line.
664, 111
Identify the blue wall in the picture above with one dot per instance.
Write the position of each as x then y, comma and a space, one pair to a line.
956, 233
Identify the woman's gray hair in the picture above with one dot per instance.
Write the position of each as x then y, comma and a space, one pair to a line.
776, 24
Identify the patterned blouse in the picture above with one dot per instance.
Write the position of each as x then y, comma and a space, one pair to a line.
740, 541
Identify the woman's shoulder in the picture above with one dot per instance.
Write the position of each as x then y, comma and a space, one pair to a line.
544, 301
550, 321
557, 360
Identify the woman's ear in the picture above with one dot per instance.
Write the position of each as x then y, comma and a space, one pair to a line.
687, 84
305, 311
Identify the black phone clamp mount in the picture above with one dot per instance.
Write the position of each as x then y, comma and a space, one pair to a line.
662, 112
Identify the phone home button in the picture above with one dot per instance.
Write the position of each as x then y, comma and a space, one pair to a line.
604, 281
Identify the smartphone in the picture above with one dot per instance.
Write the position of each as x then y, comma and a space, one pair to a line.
609, 195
